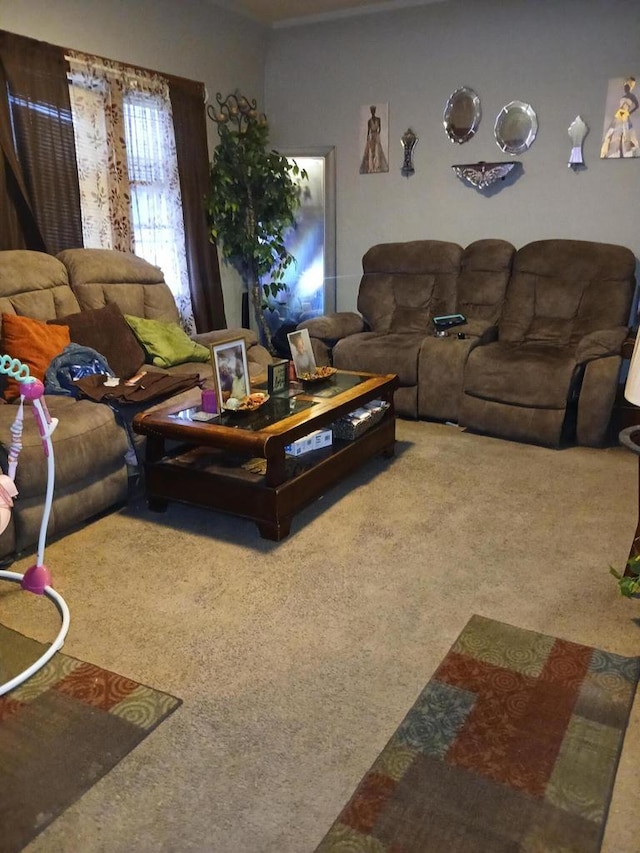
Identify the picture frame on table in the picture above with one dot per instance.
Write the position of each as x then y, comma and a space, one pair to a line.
278, 376
302, 353
230, 369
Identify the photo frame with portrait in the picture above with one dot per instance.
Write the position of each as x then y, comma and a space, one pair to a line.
302, 353
230, 369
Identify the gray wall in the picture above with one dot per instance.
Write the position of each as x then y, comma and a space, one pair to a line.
556, 54
188, 38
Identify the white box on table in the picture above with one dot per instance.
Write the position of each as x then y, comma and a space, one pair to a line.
313, 441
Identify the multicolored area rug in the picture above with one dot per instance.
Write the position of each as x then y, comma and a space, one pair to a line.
61, 731
513, 745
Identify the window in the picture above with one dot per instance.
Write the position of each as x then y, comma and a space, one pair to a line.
156, 208
127, 168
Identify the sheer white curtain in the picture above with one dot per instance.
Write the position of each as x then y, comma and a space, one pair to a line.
127, 166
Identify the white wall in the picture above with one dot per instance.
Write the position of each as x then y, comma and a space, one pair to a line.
556, 54
188, 38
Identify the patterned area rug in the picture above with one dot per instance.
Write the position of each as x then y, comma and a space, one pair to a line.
513, 745
61, 731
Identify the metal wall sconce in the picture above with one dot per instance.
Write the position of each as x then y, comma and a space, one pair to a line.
577, 133
482, 175
409, 141
236, 109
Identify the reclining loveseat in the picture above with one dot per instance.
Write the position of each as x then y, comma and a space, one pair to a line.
89, 290
539, 354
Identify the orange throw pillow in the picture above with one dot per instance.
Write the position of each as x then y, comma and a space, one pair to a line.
34, 343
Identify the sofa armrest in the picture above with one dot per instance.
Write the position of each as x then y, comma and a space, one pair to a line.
333, 327
596, 400
601, 343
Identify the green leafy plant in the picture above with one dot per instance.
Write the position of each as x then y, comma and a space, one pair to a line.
629, 584
254, 193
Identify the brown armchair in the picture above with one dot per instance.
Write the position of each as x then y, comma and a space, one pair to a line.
552, 374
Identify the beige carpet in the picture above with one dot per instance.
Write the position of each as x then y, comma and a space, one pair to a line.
297, 660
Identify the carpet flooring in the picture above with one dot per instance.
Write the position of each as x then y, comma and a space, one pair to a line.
512, 745
296, 660
61, 731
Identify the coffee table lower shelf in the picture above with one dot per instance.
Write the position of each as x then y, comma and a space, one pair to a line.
207, 477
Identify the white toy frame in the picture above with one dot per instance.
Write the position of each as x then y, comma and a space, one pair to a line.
37, 578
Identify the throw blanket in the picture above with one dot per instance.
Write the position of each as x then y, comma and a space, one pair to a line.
73, 361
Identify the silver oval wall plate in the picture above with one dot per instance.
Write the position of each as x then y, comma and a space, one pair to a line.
462, 114
516, 127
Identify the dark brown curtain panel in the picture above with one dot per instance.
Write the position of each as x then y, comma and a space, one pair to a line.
40, 183
189, 122
18, 226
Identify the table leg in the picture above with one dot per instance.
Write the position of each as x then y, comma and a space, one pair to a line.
275, 531
157, 504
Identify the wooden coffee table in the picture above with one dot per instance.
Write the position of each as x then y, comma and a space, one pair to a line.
237, 463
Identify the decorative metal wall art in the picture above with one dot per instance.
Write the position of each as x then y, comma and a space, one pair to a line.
237, 109
516, 127
409, 140
482, 175
462, 115
577, 133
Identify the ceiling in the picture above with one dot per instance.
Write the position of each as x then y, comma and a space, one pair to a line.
281, 13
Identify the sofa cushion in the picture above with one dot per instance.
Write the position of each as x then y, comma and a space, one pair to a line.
561, 290
483, 279
34, 343
166, 344
106, 331
374, 353
412, 310
87, 441
529, 375
418, 278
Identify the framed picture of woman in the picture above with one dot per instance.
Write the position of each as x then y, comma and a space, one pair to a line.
374, 139
230, 369
620, 133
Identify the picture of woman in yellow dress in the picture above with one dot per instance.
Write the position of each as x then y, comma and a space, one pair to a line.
620, 137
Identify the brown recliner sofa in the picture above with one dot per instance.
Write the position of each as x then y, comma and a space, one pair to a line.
539, 356
90, 442
403, 286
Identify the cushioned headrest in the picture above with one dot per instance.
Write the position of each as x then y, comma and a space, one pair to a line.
22, 271
108, 266
576, 260
413, 256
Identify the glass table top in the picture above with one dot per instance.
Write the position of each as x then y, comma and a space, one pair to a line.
295, 399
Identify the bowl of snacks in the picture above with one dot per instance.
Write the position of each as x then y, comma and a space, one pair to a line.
318, 375
247, 404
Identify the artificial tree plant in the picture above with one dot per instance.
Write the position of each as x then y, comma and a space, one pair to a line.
254, 193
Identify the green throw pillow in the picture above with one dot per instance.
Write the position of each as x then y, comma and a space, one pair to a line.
166, 344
